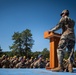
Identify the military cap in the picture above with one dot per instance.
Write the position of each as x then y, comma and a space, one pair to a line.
65, 12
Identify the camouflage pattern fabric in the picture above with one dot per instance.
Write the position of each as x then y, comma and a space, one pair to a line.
67, 39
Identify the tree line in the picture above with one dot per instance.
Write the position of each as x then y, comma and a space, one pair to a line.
22, 45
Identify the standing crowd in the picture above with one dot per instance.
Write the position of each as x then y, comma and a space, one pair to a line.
23, 62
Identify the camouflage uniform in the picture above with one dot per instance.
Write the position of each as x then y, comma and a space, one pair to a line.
5, 63
39, 63
67, 39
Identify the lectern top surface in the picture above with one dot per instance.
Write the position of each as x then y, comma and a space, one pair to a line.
48, 35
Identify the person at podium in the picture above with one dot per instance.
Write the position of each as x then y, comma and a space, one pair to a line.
67, 40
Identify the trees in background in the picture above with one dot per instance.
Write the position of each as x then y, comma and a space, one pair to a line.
23, 43
45, 53
1, 51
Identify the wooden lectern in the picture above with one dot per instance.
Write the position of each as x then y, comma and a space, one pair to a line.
54, 39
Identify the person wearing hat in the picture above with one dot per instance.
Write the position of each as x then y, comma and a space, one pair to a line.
67, 40
38, 62
5, 63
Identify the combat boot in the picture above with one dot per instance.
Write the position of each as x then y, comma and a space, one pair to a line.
58, 69
70, 68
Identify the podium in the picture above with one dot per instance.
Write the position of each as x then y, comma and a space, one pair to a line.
54, 39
